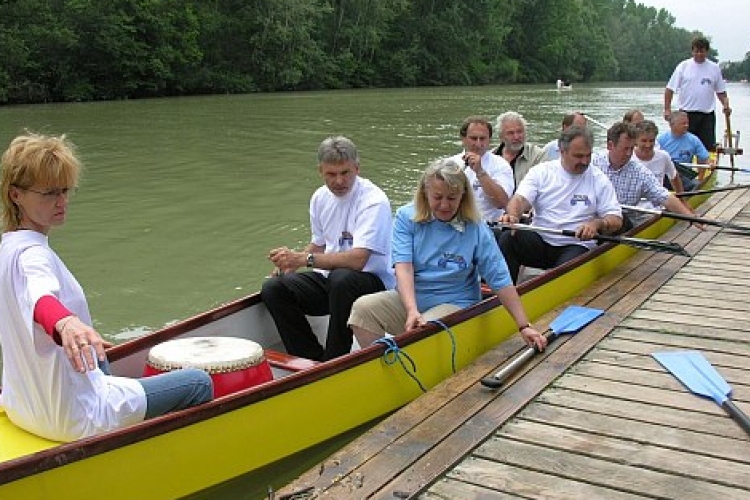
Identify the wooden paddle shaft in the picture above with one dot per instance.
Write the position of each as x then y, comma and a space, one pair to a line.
729, 138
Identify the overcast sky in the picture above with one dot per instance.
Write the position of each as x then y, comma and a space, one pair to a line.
725, 22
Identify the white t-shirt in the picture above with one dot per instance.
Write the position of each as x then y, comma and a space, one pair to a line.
360, 219
552, 150
660, 165
697, 85
499, 171
42, 392
565, 201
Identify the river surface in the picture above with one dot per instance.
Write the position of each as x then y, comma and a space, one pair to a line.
182, 198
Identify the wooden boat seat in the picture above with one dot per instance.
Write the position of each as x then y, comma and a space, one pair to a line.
288, 362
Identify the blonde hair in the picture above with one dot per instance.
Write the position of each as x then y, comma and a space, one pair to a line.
452, 173
36, 160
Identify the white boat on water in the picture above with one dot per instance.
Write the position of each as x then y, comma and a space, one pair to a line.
562, 85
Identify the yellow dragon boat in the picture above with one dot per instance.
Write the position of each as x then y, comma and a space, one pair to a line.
187, 451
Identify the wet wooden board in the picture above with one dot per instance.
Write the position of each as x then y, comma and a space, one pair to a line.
597, 416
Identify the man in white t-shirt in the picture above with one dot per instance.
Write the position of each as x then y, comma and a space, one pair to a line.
349, 255
489, 175
697, 80
653, 158
552, 148
565, 194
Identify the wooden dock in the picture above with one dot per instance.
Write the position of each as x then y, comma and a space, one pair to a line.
596, 416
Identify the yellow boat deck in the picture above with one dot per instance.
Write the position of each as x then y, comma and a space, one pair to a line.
15, 439
596, 416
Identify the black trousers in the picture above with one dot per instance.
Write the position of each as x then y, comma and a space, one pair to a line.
527, 248
704, 126
292, 296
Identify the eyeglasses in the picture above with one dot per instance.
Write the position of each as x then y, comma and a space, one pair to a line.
53, 194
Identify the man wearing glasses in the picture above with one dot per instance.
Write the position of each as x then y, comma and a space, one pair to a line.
348, 256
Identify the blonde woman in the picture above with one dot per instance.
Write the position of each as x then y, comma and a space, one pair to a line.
55, 374
441, 247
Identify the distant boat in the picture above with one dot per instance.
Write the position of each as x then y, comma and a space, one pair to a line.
562, 85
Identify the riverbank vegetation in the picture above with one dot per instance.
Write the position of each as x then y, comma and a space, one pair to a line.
74, 50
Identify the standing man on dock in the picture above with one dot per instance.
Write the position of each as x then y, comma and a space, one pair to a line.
348, 256
697, 80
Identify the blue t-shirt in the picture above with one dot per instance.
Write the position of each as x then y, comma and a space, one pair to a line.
681, 149
448, 262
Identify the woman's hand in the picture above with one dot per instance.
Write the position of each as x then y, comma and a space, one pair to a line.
533, 338
413, 320
77, 337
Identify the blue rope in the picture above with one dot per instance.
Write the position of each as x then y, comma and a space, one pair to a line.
453, 342
394, 353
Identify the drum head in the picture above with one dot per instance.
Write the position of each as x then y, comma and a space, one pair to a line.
212, 354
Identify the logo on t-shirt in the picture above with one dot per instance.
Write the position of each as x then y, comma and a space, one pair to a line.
452, 258
582, 198
346, 239
706, 81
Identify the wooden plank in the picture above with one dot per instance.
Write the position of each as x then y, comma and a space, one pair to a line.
697, 290
603, 473
707, 312
674, 418
659, 397
652, 378
626, 423
726, 328
640, 452
645, 362
449, 488
503, 479
683, 329
645, 341
709, 304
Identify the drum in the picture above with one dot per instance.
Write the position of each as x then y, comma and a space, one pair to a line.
233, 363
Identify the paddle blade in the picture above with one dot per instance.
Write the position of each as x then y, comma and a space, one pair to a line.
573, 318
696, 373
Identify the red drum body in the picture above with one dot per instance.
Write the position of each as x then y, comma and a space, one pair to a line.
233, 363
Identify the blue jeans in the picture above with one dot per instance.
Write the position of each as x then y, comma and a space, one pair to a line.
176, 390
172, 391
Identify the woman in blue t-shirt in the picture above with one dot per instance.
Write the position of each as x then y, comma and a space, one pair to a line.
441, 247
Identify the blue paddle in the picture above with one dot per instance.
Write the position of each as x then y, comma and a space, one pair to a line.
571, 320
697, 374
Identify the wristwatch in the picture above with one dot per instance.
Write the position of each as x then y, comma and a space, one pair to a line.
310, 260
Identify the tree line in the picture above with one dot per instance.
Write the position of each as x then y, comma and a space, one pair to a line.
80, 50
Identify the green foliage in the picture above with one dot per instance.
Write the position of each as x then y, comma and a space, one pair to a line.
69, 50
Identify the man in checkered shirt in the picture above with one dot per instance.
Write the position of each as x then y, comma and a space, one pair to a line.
632, 180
